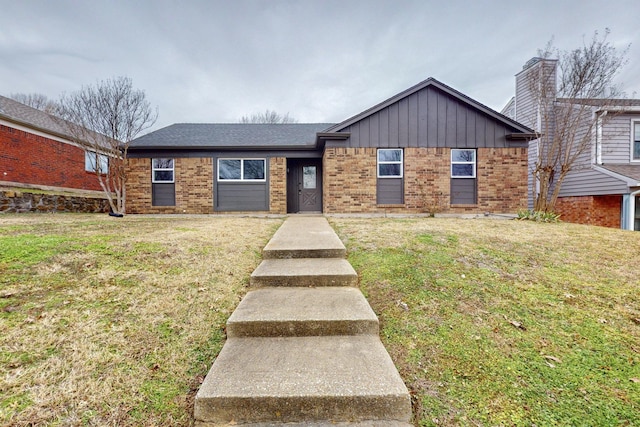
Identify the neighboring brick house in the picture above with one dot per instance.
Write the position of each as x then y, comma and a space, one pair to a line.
604, 186
36, 152
429, 149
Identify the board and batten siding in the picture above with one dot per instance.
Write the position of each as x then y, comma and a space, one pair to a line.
428, 118
240, 196
390, 191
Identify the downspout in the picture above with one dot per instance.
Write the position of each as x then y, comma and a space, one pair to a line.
630, 210
599, 137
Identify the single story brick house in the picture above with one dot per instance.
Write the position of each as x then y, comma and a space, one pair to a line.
428, 149
37, 152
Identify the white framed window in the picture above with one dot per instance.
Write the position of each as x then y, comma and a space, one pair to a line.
95, 162
162, 171
242, 170
635, 141
463, 163
390, 163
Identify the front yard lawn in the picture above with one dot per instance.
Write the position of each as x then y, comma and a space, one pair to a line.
107, 321
506, 322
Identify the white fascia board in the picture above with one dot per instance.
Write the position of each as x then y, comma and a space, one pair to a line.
621, 109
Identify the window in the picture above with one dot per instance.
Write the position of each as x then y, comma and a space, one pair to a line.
241, 169
463, 163
162, 170
94, 162
389, 163
309, 177
636, 141
464, 186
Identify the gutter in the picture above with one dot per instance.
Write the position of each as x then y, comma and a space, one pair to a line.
523, 136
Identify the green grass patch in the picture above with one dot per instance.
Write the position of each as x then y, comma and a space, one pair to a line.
116, 322
490, 324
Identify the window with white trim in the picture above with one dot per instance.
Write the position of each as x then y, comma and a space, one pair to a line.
94, 162
636, 141
162, 171
463, 163
389, 163
242, 170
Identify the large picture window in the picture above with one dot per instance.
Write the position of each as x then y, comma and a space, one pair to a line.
241, 169
636, 141
463, 163
162, 170
389, 163
94, 162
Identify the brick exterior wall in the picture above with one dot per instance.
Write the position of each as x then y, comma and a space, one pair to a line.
194, 186
591, 210
33, 159
278, 185
350, 181
349, 177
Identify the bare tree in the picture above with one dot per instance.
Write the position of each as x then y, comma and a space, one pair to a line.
268, 117
104, 119
570, 109
35, 100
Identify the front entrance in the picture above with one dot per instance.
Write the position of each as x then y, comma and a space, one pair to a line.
304, 185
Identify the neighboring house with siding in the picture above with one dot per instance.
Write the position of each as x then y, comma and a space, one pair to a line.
428, 149
36, 152
604, 186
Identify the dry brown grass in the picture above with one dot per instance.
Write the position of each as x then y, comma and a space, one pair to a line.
116, 321
505, 322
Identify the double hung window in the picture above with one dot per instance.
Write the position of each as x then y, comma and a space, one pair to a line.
463, 163
163, 187
464, 186
390, 171
162, 170
389, 163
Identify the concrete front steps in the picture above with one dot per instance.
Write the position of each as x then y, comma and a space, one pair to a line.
302, 347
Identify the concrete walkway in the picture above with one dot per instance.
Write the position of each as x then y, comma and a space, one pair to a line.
302, 346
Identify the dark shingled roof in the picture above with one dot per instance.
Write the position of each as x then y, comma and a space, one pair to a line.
19, 113
230, 135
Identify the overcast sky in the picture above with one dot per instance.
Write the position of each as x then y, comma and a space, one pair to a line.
318, 60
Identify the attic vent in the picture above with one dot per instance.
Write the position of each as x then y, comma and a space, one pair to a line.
532, 62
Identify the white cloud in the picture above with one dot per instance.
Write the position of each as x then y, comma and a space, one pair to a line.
214, 61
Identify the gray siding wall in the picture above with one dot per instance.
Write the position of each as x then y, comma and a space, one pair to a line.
616, 139
591, 182
237, 196
527, 102
428, 118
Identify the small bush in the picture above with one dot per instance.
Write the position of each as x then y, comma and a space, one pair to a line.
538, 216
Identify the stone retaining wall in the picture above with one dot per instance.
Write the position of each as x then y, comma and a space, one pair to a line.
12, 201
